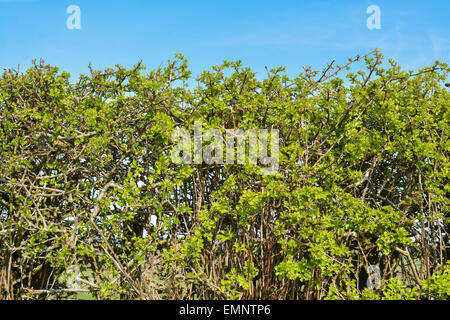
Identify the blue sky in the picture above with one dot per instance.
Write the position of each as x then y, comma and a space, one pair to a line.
260, 33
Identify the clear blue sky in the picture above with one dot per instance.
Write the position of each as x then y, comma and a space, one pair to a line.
260, 33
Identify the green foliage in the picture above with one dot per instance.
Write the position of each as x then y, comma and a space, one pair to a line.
86, 179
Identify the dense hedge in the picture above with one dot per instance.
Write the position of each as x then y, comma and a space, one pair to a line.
86, 180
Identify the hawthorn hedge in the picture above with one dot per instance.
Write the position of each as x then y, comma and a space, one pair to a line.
86, 180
